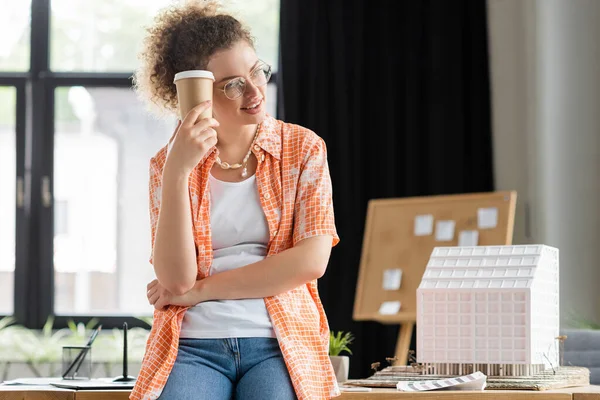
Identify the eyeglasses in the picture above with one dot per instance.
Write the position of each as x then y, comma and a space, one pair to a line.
236, 87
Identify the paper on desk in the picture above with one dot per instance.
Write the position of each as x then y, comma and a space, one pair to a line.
355, 389
32, 381
475, 381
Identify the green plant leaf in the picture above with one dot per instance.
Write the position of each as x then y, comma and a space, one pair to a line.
577, 321
92, 323
338, 343
47, 329
72, 326
6, 322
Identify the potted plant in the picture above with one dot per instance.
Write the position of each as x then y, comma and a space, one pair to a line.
338, 343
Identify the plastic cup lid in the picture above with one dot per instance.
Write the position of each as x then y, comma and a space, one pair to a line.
194, 74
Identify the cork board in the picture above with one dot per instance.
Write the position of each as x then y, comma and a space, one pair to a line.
400, 234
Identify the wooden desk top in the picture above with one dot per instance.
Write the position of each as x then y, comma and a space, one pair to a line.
53, 393
578, 393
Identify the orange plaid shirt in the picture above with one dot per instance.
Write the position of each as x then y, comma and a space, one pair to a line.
295, 193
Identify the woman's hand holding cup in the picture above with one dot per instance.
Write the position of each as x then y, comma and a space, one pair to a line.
193, 139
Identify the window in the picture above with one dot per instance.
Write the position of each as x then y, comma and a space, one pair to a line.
103, 140
14, 26
99, 35
263, 18
74, 231
105, 35
8, 174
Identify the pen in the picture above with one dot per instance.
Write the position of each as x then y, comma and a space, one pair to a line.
80, 357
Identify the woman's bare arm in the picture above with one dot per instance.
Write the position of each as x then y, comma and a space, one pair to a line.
277, 274
174, 247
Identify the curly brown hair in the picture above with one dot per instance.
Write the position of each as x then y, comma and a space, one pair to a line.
183, 38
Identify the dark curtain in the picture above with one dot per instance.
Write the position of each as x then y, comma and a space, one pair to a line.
399, 91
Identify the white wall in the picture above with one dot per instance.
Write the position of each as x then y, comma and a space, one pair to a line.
545, 74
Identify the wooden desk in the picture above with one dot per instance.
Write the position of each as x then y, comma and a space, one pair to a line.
579, 393
52, 393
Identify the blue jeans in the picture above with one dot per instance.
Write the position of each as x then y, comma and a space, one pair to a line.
224, 369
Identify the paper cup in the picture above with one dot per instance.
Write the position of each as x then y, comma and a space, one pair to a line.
193, 88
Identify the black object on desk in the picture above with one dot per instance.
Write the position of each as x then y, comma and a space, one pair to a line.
125, 377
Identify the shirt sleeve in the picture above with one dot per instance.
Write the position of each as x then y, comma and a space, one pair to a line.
155, 193
313, 211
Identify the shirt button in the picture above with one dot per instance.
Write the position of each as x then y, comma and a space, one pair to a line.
274, 233
262, 157
256, 147
267, 196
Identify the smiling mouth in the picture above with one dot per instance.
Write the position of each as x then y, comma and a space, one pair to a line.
252, 106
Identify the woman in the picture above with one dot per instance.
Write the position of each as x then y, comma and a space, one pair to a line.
242, 227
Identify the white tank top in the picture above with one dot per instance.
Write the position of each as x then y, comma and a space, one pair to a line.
240, 235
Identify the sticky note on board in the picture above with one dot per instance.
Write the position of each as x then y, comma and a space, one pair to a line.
423, 225
389, 308
444, 231
468, 238
392, 279
487, 218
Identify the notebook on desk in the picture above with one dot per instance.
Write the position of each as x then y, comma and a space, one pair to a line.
93, 384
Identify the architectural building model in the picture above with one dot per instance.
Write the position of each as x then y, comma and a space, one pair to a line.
492, 309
